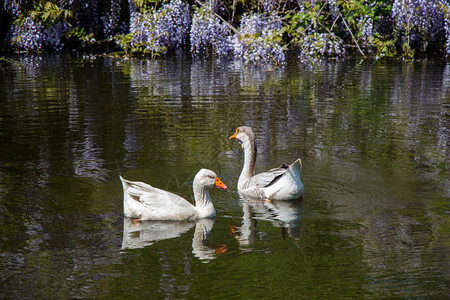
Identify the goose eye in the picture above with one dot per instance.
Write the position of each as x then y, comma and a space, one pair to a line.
210, 177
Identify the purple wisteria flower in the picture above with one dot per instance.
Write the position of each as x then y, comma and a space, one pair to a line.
111, 20
419, 20
447, 34
157, 31
269, 6
33, 36
316, 45
259, 40
208, 32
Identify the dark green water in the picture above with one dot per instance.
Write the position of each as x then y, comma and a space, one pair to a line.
373, 138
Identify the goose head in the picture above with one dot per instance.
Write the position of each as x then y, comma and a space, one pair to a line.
245, 136
208, 179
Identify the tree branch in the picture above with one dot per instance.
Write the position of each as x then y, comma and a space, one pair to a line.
353, 37
222, 19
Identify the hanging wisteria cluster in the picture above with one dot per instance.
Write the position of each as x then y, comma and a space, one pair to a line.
144, 36
11, 8
366, 29
259, 39
269, 6
317, 45
447, 34
175, 20
29, 36
419, 21
111, 20
156, 32
209, 33
257, 32
32, 36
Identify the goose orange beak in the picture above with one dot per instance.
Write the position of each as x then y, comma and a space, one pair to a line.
219, 184
233, 137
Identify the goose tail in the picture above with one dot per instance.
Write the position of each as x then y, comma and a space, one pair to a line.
125, 183
296, 167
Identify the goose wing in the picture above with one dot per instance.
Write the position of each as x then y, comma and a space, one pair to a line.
265, 179
158, 201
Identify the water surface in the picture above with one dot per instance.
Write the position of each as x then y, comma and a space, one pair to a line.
373, 138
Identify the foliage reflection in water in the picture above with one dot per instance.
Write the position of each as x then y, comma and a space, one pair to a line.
373, 138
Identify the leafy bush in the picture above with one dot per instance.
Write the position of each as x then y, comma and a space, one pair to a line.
312, 31
253, 31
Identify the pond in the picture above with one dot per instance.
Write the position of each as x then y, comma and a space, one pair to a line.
373, 138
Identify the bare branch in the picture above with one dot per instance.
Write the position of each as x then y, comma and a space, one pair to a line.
353, 37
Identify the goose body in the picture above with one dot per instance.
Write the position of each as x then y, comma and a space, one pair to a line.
282, 183
145, 202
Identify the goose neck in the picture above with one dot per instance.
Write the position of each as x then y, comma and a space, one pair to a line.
248, 170
201, 196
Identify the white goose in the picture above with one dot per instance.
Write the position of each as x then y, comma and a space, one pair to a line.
281, 183
144, 202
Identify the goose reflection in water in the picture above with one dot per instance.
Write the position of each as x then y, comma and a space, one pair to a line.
283, 214
139, 234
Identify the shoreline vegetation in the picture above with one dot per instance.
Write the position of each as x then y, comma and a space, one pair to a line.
254, 31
